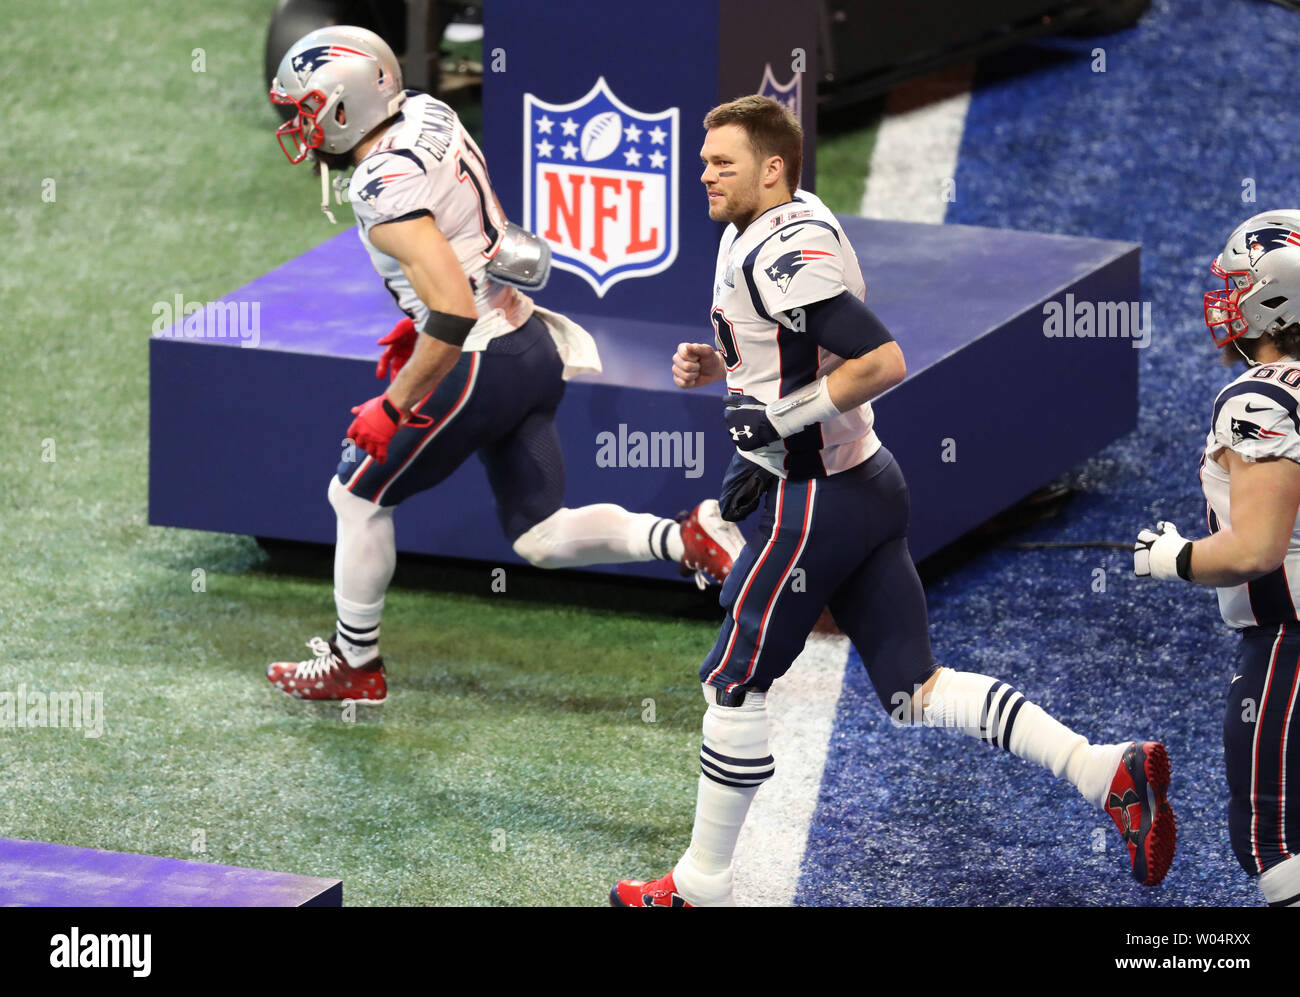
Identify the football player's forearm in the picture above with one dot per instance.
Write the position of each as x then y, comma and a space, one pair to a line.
1265, 494
1230, 557
861, 380
428, 365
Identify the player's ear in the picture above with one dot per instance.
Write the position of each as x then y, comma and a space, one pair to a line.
773, 171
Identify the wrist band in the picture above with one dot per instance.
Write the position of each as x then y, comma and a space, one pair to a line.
799, 410
449, 329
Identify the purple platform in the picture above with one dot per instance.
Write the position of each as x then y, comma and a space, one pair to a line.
36, 874
965, 303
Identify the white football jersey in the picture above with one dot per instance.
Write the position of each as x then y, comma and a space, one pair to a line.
791, 255
1256, 417
427, 164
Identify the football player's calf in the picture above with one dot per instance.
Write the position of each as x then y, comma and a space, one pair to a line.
735, 760
1128, 780
608, 534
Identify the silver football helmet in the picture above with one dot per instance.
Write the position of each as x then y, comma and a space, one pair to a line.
342, 81
1260, 267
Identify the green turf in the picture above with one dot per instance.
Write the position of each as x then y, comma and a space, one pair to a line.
512, 763
845, 142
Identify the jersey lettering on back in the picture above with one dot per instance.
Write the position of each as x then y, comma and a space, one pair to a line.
427, 164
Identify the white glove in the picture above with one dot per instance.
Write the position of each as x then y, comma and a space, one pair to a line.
1162, 553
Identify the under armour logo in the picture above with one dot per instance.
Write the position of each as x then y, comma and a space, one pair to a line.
736, 433
1130, 798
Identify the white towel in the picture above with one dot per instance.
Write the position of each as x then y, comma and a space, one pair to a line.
574, 343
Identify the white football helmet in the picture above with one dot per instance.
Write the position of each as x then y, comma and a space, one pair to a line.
342, 81
1260, 267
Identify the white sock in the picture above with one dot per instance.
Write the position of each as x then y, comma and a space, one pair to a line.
1280, 884
734, 762
994, 712
365, 556
357, 629
599, 534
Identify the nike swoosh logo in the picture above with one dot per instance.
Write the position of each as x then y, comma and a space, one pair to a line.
785, 235
1262, 408
1234, 679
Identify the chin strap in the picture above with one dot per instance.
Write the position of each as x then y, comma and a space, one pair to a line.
1249, 362
325, 191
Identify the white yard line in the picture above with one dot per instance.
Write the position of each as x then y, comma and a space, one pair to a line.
915, 158
801, 715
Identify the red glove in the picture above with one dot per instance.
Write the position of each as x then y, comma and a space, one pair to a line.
373, 428
401, 344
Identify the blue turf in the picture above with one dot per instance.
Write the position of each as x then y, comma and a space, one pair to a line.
1154, 150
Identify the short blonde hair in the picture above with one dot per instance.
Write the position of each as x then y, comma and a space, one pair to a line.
772, 130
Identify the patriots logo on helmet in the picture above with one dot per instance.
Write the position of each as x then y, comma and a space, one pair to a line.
1244, 429
309, 60
373, 187
1265, 240
786, 266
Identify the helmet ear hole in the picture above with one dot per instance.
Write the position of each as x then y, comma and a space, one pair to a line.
341, 114
1277, 302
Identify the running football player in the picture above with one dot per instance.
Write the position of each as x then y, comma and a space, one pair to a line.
1250, 474
476, 367
802, 356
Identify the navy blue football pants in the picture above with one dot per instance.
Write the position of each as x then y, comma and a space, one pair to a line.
837, 542
499, 402
1261, 747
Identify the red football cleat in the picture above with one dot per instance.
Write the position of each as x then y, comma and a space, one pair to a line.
712, 544
1137, 804
637, 893
328, 676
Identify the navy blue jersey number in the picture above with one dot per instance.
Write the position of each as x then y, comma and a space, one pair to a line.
726, 339
490, 231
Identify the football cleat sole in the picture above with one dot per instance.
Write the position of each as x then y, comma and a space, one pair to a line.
1154, 840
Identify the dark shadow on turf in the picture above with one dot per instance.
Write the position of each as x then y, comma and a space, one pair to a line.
583, 589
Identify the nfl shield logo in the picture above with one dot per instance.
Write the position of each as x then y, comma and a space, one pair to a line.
600, 185
791, 94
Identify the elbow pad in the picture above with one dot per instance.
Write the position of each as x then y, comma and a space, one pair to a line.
522, 260
843, 325
449, 329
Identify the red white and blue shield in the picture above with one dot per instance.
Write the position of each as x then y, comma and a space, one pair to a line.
600, 185
789, 94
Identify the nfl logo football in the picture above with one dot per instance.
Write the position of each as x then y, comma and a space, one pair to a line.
600, 136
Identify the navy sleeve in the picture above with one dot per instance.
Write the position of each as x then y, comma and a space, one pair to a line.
844, 325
